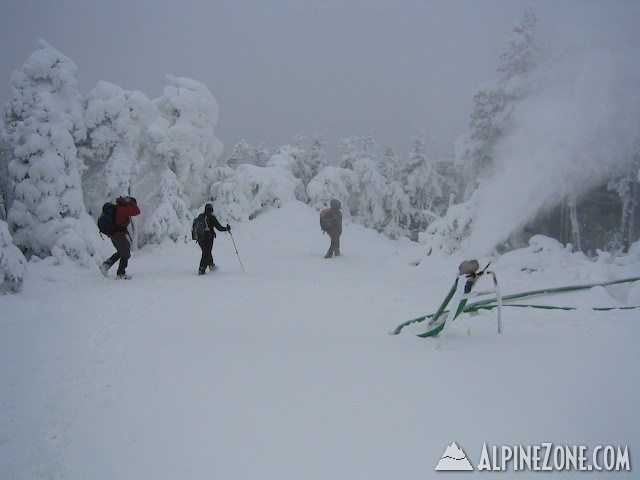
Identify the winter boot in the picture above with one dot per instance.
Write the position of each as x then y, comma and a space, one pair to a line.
104, 268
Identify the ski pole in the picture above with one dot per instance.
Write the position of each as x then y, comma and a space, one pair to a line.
236, 248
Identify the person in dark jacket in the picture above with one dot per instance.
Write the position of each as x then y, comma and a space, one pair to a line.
126, 207
206, 242
335, 228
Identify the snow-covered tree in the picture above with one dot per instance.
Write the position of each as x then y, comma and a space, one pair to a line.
171, 217
164, 205
367, 207
491, 118
250, 189
474, 148
524, 52
447, 234
116, 121
423, 185
397, 210
43, 123
626, 184
494, 102
333, 182
355, 148
244, 153
390, 164
178, 156
6, 188
216, 175
293, 159
13, 265
187, 141
317, 154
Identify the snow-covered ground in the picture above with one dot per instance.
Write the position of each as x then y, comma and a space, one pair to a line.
288, 371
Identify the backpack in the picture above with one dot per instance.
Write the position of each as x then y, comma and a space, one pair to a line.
199, 227
326, 220
107, 219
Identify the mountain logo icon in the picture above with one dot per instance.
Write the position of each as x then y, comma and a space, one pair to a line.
453, 459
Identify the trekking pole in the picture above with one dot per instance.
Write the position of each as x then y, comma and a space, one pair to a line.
236, 248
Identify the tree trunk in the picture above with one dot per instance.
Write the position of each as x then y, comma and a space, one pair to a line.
627, 226
575, 227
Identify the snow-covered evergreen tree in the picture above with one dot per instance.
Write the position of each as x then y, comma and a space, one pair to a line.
390, 165
178, 156
188, 141
474, 148
293, 159
164, 205
244, 153
423, 185
524, 51
367, 207
397, 210
116, 121
349, 151
44, 120
446, 235
6, 188
216, 175
13, 265
357, 147
171, 217
317, 154
333, 182
250, 189
494, 102
626, 184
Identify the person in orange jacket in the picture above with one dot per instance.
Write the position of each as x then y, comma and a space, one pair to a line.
332, 224
126, 207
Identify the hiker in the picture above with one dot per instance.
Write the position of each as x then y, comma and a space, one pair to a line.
126, 207
205, 239
331, 222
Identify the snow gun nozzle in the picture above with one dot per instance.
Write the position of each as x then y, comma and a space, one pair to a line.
468, 267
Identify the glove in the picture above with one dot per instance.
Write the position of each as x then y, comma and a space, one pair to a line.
228, 227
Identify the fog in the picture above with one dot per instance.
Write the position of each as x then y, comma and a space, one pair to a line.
278, 68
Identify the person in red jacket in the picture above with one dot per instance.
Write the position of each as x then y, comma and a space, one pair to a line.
126, 207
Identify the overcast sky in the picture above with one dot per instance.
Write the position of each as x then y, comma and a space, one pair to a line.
388, 68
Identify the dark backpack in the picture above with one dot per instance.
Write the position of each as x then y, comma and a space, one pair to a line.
107, 219
326, 220
199, 227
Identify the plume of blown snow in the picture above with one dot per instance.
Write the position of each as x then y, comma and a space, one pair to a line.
563, 141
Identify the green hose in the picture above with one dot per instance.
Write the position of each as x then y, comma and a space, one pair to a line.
571, 288
491, 303
472, 309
